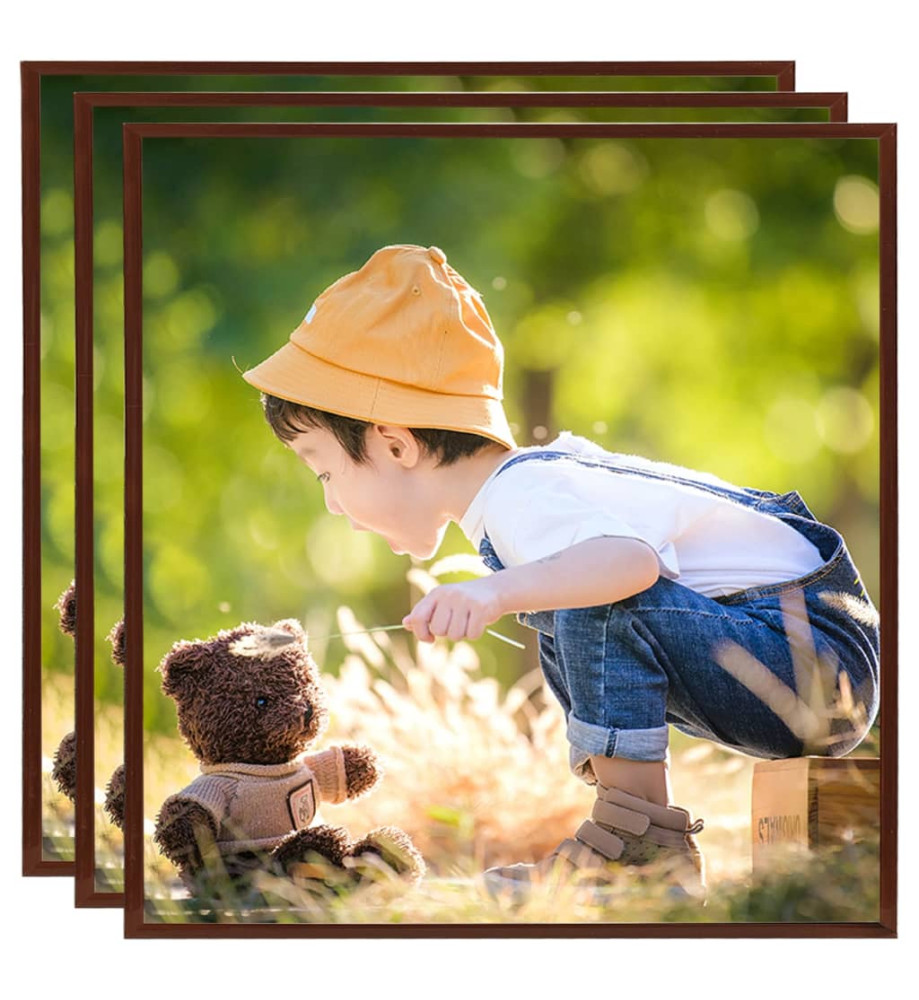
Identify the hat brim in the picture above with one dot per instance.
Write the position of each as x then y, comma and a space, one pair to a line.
294, 374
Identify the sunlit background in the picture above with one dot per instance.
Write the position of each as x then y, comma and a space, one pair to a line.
712, 303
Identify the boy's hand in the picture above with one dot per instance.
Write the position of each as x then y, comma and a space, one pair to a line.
455, 610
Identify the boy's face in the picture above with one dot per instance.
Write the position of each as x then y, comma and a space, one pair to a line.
388, 495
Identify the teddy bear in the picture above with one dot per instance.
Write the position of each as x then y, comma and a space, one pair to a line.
64, 769
114, 789
64, 763
250, 703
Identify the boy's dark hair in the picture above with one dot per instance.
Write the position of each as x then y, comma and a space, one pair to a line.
288, 419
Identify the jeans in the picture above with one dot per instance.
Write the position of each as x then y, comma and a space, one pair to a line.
776, 671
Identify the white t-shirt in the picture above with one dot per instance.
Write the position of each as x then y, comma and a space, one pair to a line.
709, 543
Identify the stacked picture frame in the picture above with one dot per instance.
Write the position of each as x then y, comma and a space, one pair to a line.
686, 259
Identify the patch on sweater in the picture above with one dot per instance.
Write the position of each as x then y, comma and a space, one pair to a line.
302, 805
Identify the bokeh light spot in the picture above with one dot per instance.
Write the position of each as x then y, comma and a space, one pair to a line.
263, 529
845, 420
46, 334
339, 556
731, 215
164, 480
790, 431
537, 344
536, 158
612, 168
177, 581
868, 301
56, 212
161, 276
108, 244
857, 204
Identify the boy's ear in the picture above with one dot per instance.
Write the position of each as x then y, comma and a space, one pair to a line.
182, 663
401, 442
67, 605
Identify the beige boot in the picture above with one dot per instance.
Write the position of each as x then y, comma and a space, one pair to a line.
624, 830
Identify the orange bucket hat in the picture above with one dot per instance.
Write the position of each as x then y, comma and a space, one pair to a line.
404, 340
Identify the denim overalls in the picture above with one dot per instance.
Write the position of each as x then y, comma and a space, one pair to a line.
776, 671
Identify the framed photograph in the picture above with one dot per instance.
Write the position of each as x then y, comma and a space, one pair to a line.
712, 305
97, 201
49, 740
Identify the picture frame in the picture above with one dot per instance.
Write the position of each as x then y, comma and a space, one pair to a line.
91, 887
885, 136
37, 614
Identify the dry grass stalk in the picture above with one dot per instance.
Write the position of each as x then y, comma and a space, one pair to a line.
476, 776
823, 696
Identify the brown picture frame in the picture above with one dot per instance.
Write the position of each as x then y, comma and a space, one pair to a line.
32, 74
85, 104
134, 135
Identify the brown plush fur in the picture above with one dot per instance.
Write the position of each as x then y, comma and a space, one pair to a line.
114, 797
361, 770
257, 709
67, 605
64, 771
184, 832
331, 842
114, 790
395, 848
249, 695
116, 638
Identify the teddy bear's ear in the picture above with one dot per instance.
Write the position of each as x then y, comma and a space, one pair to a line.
67, 605
263, 641
116, 638
181, 663
291, 625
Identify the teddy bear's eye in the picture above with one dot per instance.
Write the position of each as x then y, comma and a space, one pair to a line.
261, 702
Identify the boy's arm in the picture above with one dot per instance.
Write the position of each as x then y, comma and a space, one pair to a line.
596, 571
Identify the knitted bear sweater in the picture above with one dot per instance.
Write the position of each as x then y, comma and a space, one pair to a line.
255, 806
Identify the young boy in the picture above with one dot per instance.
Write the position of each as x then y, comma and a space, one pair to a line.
659, 594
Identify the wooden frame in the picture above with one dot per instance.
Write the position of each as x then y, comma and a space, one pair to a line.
886, 138
32, 74
85, 104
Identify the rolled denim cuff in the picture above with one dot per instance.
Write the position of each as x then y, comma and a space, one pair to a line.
588, 740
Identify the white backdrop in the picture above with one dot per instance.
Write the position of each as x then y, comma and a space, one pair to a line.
862, 49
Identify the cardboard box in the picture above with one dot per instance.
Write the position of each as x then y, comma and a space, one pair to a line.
814, 801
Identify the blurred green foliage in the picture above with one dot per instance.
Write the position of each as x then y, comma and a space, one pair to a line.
707, 302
